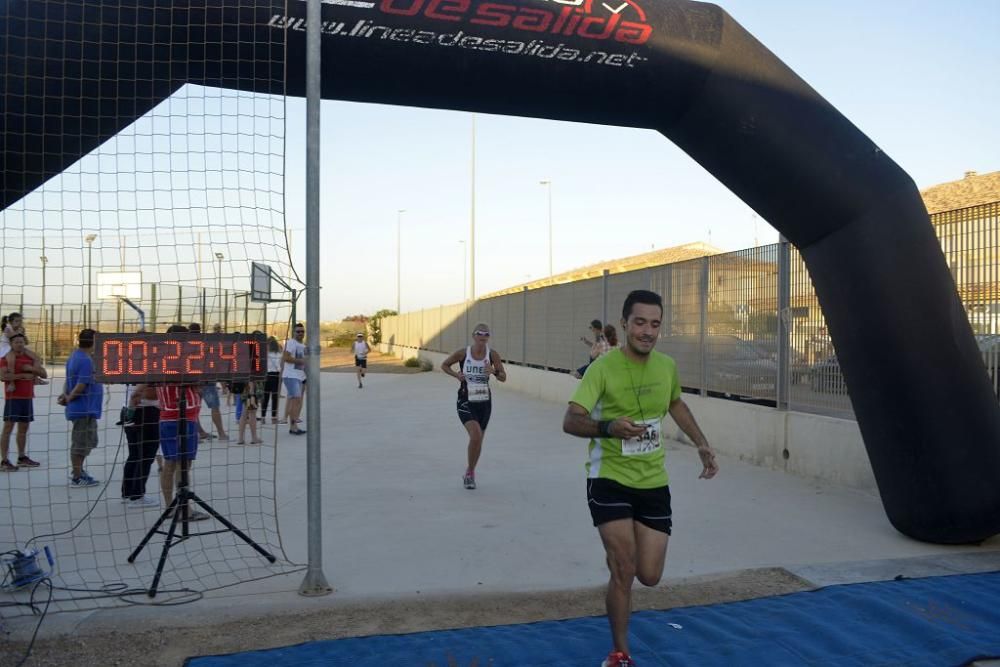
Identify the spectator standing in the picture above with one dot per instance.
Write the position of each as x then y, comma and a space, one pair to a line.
83, 400
19, 404
272, 384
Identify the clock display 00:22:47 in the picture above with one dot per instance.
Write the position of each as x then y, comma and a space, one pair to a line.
179, 357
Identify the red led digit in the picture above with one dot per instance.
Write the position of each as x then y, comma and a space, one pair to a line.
142, 347
107, 354
253, 349
167, 358
230, 357
188, 368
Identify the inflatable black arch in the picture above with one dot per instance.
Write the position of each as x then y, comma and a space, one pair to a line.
75, 72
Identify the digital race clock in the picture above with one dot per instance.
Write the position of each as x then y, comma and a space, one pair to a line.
132, 358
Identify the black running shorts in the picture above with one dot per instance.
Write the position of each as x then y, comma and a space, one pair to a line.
477, 411
609, 501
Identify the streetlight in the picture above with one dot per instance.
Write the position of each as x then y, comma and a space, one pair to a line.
45, 330
548, 186
399, 225
465, 273
89, 238
219, 256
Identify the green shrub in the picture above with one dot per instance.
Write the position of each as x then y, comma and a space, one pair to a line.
412, 362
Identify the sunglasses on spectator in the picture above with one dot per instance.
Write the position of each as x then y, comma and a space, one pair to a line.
482, 333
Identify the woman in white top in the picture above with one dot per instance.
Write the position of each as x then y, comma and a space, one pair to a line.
475, 401
272, 384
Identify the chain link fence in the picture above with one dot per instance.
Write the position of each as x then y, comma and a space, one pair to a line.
52, 328
744, 325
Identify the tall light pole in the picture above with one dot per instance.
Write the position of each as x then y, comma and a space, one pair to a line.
399, 256
465, 273
45, 329
548, 186
472, 216
89, 238
219, 256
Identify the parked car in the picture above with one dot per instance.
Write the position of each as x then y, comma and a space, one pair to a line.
826, 377
798, 369
989, 347
734, 366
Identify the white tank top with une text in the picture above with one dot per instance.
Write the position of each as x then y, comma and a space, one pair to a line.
360, 350
476, 377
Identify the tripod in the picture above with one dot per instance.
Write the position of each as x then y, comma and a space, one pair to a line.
179, 508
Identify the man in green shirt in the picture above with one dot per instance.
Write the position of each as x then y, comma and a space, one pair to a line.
619, 405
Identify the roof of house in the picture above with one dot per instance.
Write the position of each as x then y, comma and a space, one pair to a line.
973, 190
621, 265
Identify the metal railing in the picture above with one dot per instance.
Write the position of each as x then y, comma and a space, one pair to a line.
744, 325
52, 329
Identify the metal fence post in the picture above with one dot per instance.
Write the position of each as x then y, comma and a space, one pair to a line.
703, 327
152, 308
668, 298
524, 326
784, 321
604, 295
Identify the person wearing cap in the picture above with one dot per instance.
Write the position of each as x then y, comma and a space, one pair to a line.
361, 350
477, 362
83, 399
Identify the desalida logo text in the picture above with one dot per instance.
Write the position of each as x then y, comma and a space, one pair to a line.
625, 22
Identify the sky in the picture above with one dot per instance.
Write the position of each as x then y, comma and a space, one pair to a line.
918, 77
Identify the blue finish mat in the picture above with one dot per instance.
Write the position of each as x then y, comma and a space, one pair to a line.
913, 622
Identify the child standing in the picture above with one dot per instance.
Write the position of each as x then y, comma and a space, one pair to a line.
251, 399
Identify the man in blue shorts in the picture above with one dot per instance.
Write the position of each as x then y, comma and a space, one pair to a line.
294, 377
620, 405
178, 454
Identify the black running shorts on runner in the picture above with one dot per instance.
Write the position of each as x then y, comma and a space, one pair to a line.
608, 501
360, 363
477, 411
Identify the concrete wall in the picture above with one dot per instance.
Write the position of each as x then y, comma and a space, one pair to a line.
803, 444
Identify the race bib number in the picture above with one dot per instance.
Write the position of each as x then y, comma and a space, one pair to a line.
648, 442
479, 393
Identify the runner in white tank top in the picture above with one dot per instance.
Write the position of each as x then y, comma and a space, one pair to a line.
478, 363
361, 350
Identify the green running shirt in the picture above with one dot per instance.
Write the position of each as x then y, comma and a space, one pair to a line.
614, 387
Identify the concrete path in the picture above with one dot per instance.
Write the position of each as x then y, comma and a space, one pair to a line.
398, 525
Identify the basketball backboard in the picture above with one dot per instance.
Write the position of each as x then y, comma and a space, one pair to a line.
115, 284
260, 282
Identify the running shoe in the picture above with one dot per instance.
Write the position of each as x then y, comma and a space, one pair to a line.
142, 502
7, 466
83, 481
469, 480
618, 659
27, 462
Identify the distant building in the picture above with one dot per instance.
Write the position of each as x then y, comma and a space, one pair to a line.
672, 255
973, 190
966, 217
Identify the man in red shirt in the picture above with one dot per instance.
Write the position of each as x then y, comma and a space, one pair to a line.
18, 407
170, 433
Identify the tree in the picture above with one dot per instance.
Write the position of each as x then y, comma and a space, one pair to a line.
375, 324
